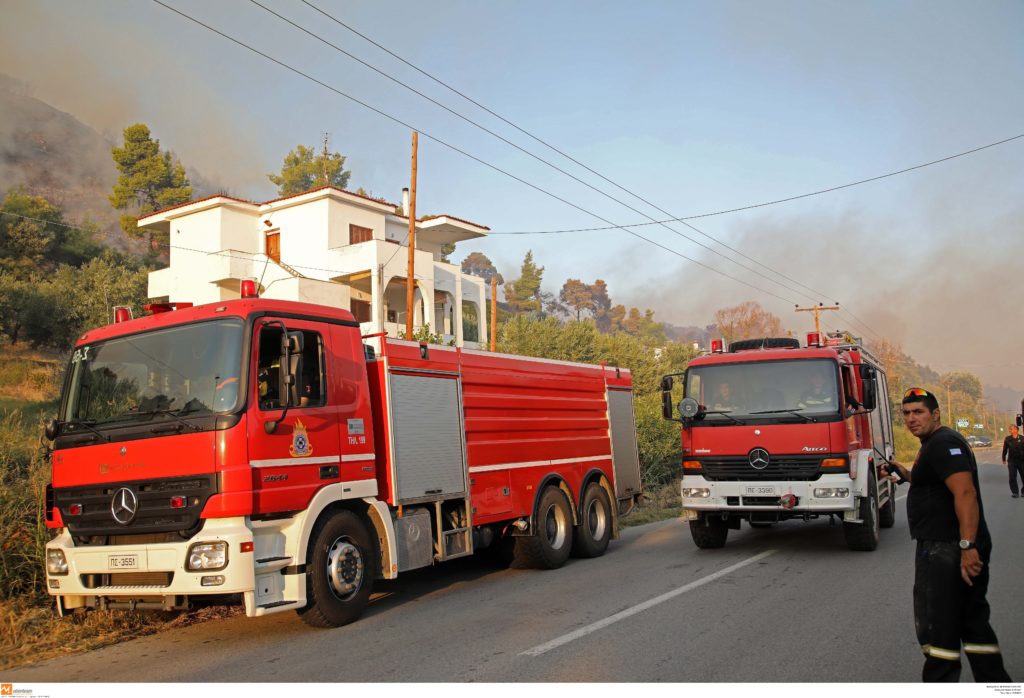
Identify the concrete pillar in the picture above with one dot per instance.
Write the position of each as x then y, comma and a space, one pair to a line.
458, 310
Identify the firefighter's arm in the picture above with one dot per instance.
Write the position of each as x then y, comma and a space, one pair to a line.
965, 502
894, 468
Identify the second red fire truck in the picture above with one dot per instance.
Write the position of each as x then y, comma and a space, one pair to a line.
259, 450
774, 431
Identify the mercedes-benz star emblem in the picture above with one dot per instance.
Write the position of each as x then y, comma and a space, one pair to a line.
123, 506
759, 459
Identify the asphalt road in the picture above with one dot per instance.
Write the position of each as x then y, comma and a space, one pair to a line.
786, 604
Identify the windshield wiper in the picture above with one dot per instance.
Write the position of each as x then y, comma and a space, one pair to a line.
792, 411
174, 414
724, 413
87, 423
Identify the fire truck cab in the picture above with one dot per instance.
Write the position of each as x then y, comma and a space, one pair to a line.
773, 431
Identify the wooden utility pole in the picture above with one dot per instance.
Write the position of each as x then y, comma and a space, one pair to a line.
410, 282
817, 310
325, 157
494, 312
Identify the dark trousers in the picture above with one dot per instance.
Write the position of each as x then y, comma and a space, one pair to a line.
948, 613
1016, 468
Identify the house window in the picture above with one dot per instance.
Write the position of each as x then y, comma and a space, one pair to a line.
360, 310
357, 234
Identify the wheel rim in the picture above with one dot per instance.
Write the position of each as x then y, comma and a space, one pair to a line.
555, 526
597, 519
345, 568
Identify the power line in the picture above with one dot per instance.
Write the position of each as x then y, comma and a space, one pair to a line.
766, 203
589, 169
463, 152
533, 155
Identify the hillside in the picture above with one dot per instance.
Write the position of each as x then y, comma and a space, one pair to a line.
54, 155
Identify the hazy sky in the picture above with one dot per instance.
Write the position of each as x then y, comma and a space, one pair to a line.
696, 106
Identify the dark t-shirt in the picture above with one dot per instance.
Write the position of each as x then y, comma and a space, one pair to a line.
1013, 449
930, 504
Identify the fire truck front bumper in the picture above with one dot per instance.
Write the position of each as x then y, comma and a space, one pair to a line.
828, 494
218, 560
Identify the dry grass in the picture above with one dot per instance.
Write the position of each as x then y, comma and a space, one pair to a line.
31, 632
658, 503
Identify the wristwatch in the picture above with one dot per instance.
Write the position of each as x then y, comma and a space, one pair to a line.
967, 545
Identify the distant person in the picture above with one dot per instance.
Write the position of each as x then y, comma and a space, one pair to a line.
818, 396
1013, 459
947, 520
724, 399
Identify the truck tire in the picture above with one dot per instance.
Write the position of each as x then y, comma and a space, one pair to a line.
595, 529
340, 572
864, 536
549, 548
709, 531
887, 514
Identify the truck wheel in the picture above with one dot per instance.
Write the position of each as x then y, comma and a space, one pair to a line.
864, 536
550, 547
340, 572
709, 532
595, 529
887, 514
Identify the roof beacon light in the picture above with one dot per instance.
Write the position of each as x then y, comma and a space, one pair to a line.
122, 313
717, 346
249, 288
813, 339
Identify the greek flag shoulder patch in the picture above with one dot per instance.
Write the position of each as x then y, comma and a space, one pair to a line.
955, 452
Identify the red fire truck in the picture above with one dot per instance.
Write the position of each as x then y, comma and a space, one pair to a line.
258, 451
774, 431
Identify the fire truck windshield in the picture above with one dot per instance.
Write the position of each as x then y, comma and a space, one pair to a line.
174, 372
794, 390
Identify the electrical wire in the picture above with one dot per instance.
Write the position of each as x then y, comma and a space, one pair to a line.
463, 152
537, 157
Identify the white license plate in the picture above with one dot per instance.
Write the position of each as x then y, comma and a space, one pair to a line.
762, 491
123, 562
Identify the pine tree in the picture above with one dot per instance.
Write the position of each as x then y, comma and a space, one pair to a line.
523, 294
306, 169
150, 180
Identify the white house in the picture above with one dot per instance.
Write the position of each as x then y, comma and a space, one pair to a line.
325, 246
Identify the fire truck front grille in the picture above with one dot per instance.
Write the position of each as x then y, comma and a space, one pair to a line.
128, 580
779, 468
134, 508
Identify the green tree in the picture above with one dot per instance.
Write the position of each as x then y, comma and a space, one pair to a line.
34, 237
150, 180
306, 169
478, 264
524, 295
446, 252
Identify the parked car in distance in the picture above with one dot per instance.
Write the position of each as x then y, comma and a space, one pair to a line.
982, 441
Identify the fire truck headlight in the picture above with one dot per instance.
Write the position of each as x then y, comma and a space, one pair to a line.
696, 492
56, 563
207, 556
831, 492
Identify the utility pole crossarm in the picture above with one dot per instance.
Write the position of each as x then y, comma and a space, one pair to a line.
817, 310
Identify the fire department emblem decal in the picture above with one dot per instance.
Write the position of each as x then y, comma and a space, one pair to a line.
300, 441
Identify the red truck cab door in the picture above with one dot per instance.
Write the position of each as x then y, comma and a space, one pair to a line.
303, 453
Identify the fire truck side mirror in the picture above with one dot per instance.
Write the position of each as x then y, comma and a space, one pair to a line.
666, 384
52, 429
666, 404
869, 394
867, 372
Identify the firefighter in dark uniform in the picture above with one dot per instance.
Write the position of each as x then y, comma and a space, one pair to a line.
953, 549
1013, 459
